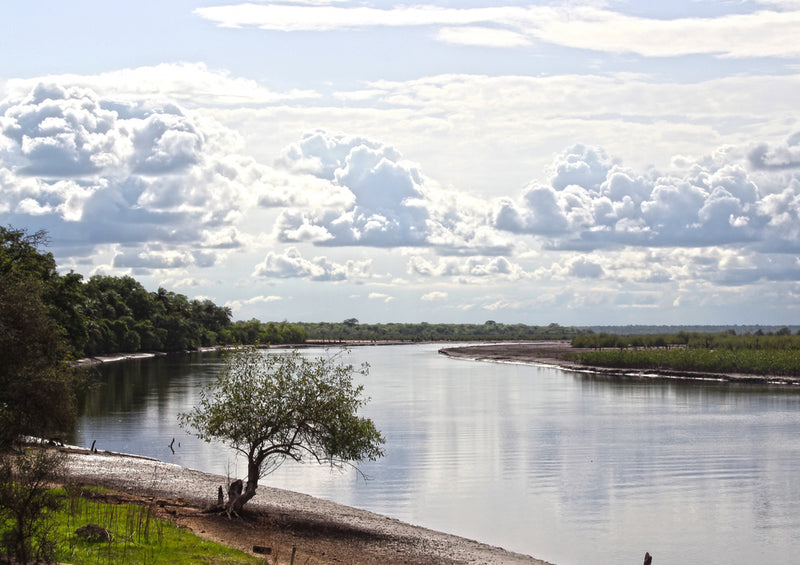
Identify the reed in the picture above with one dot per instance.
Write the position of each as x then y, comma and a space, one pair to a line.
137, 536
779, 362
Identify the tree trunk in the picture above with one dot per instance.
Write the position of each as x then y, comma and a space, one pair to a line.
237, 497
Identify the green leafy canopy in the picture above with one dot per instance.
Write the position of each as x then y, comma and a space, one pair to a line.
270, 406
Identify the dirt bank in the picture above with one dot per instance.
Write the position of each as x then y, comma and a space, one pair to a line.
322, 532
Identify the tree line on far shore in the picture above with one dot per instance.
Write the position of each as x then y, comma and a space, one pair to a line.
110, 314
352, 330
728, 339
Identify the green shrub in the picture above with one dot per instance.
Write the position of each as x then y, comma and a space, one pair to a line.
27, 504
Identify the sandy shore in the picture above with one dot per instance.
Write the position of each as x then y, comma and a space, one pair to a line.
322, 532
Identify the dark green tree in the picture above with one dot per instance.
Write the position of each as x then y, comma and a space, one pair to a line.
67, 306
36, 382
20, 255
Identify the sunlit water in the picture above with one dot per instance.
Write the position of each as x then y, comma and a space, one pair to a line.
568, 468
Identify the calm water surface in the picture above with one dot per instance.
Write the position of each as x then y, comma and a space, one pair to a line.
568, 468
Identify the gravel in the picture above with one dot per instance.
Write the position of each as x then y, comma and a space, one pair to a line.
407, 543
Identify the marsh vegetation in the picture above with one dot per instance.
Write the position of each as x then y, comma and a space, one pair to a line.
753, 353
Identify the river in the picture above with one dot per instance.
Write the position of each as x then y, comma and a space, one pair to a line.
566, 467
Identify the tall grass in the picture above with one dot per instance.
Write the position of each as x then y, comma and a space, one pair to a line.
781, 362
758, 354
137, 536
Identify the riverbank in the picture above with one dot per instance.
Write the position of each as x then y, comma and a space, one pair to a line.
554, 353
323, 532
117, 357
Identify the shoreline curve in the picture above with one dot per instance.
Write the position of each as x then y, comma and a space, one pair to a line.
551, 353
335, 533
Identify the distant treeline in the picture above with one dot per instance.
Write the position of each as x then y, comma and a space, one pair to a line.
352, 330
760, 353
639, 329
729, 339
106, 314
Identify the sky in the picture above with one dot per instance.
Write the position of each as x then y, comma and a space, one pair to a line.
580, 163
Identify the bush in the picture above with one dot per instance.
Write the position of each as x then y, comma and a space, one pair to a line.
27, 504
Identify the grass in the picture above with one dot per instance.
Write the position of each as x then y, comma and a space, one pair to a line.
783, 362
137, 536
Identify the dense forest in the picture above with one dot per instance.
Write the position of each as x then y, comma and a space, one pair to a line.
352, 330
106, 314
37, 385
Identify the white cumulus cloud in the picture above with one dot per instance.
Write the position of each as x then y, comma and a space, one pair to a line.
470, 269
391, 203
291, 264
591, 203
94, 169
434, 296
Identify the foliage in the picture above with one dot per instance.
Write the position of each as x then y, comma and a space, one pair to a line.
123, 317
20, 256
137, 536
749, 361
725, 352
27, 505
253, 331
351, 330
781, 339
24, 267
269, 407
107, 314
36, 383
735, 329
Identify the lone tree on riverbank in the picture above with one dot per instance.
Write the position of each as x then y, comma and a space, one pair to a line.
270, 407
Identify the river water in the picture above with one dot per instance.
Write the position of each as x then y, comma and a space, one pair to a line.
569, 468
